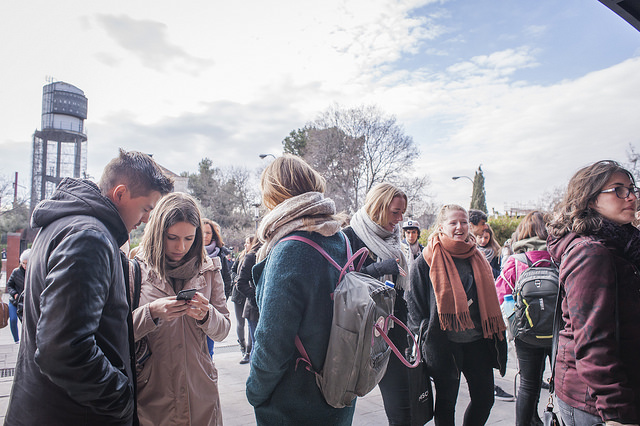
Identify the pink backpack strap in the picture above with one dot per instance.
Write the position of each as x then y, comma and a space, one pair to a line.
317, 247
394, 349
352, 258
303, 352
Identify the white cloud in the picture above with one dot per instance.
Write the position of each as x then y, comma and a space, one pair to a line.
229, 80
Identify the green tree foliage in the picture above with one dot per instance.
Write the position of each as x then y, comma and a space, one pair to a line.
503, 227
226, 196
296, 142
14, 214
478, 198
15, 218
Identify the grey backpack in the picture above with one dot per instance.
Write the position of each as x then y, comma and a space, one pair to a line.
359, 347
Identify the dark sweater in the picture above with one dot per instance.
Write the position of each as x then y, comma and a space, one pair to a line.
436, 348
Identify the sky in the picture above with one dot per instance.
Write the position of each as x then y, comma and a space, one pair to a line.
530, 90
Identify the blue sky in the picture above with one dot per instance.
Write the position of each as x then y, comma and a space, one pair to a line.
532, 90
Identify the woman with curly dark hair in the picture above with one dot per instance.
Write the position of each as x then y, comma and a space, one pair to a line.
597, 374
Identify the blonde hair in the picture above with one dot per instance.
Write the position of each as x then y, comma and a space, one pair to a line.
378, 199
174, 208
286, 177
444, 212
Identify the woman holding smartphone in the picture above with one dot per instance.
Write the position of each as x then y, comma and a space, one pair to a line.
178, 383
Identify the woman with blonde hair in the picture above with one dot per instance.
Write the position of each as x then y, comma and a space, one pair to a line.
453, 301
597, 374
294, 283
376, 226
178, 383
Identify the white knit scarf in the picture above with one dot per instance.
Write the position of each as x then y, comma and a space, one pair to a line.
384, 244
310, 212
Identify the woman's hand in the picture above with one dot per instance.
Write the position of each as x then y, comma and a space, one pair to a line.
198, 307
168, 308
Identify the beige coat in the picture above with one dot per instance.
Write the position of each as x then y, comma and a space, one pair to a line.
179, 382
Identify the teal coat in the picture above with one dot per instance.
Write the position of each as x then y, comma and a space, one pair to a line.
293, 290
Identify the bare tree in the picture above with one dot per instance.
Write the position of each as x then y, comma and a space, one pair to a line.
363, 147
550, 199
633, 162
336, 157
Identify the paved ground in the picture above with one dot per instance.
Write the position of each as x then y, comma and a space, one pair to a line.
232, 376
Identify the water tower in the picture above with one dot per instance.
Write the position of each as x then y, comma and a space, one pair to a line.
60, 148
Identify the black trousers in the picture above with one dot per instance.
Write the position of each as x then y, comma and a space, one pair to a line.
531, 365
474, 361
394, 386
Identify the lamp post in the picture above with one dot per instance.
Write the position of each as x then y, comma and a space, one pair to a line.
263, 156
256, 213
470, 180
466, 177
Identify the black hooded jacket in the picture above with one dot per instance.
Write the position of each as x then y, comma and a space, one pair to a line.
74, 365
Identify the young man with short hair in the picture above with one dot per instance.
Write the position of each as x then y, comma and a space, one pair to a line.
477, 220
75, 359
410, 245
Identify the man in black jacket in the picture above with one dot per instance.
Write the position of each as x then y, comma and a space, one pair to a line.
74, 362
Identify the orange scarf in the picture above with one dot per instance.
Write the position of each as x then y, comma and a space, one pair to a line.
451, 299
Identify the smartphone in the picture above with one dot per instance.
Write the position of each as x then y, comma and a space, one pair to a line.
186, 294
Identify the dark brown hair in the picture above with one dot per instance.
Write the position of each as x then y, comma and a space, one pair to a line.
215, 231
532, 225
138, 171
574, 213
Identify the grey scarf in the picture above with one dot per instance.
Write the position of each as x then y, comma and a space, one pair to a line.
178, 273
384, 244
310, 212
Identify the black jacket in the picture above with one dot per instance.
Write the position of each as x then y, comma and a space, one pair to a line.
15, 285
74, 365
435, 344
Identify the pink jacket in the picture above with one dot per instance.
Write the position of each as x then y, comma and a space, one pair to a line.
512, 270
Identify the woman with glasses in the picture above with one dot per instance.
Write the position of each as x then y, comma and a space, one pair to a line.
597, 374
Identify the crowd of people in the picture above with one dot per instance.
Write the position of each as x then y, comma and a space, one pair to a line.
127, 339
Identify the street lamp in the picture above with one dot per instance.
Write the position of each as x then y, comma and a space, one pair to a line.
263, 156
256, 213
466, 177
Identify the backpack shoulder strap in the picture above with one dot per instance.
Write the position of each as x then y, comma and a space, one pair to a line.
315, 246
558, 323
351, 258
137, 283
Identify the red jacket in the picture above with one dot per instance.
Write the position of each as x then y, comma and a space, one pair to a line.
595, 372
